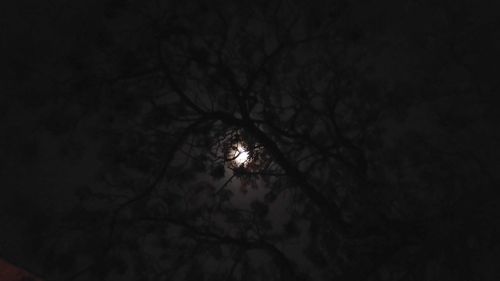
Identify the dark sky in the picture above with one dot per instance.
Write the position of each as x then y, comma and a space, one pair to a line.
38, 181
402, 45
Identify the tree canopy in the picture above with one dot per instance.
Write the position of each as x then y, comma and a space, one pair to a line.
331, 187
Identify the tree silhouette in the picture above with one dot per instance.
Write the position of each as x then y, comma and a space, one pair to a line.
180, 90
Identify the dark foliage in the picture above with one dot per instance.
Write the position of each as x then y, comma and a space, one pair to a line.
349, 176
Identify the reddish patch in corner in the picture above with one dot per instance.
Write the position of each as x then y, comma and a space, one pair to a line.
9, 272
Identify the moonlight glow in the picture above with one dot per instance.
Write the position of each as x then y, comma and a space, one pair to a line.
240, 155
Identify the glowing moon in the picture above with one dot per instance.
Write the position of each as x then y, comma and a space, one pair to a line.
240, 155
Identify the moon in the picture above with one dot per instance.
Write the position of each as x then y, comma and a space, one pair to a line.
240, 155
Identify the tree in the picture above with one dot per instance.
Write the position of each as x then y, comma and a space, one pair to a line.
184, 89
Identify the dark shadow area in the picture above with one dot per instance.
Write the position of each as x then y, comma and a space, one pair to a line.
250, 140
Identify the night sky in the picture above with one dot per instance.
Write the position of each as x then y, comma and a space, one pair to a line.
370, 127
